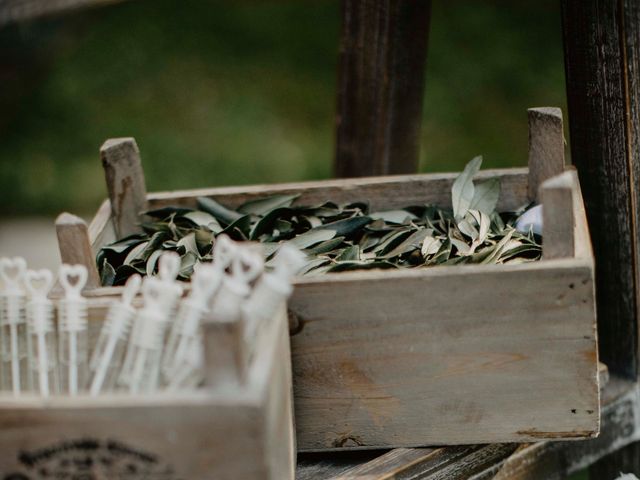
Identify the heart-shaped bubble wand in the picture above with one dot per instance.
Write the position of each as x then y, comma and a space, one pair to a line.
162, 295
40, 321
271, 291
12, 272
111, 345
185, 331
73, 347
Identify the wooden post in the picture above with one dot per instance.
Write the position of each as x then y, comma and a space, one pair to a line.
602, 62
558, 223
546, 146
75, 247
380, 86
226, 356
125, 183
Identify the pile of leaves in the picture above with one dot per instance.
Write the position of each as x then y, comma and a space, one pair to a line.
334, 237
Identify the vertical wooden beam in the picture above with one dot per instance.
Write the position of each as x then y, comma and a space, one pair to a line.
75, 247
546, 146
556, 195
125, 184
383, 50
602, 62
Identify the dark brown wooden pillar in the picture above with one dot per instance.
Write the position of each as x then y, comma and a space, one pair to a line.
602, 63
380, 86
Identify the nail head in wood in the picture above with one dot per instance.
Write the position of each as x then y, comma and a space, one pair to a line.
125, 183
75, 247
558, 221
546, 146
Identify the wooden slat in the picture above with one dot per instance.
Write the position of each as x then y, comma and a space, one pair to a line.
548, 460
75, 246
546, 146
384, 364
380, 87
125, 183
20, 10
559, 220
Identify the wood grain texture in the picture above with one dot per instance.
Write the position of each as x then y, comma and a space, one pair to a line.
385, 192
226, 356
543, 460
125, 184
20, 10
224, 433
437, 356
75, 246
559, 222
383, 48
601, 61
368, 361
546, 146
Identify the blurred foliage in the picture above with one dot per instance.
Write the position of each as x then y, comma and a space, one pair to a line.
243, 92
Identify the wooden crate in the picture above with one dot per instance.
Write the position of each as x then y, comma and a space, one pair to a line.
239, 426
427, 356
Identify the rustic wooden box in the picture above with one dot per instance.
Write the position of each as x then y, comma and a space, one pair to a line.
432, 356
239, 428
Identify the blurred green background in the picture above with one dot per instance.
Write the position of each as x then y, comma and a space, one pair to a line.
242, 92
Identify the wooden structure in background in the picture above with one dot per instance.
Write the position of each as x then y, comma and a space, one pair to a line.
602, 59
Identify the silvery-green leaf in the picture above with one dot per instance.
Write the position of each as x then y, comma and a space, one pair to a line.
413, 242
135, 253
462, 190
348, 254
393, 216
152, 261
360, 265
486, 195
324, 247
468, 229
262, 206
312, 237
392, 239
430, 246
497, 251
204, 219
222, 213
346, 226
313, 264
107, 274
187, 262
188, 244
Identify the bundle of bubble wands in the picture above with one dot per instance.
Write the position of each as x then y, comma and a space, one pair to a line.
143, 347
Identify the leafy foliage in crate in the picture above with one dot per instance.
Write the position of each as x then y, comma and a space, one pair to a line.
334, 237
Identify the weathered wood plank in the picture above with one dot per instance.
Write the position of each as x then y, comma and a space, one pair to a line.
368, 362
384, 192
222, 433
75, 246
559, 220
548, 460
383, 48
546, 146
19, 10
125, 184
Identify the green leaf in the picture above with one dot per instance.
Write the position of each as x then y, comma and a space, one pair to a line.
204, 219
430, 246
325, 247
413, 242
346, 226
393, 216
312, 237
107, 274
262, 206
486, 195
187, 244
152, 261
463, 190
222, 213
350, 253
135, 253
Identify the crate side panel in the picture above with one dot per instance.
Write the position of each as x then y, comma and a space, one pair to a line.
472, 356
381, 192
161, 442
